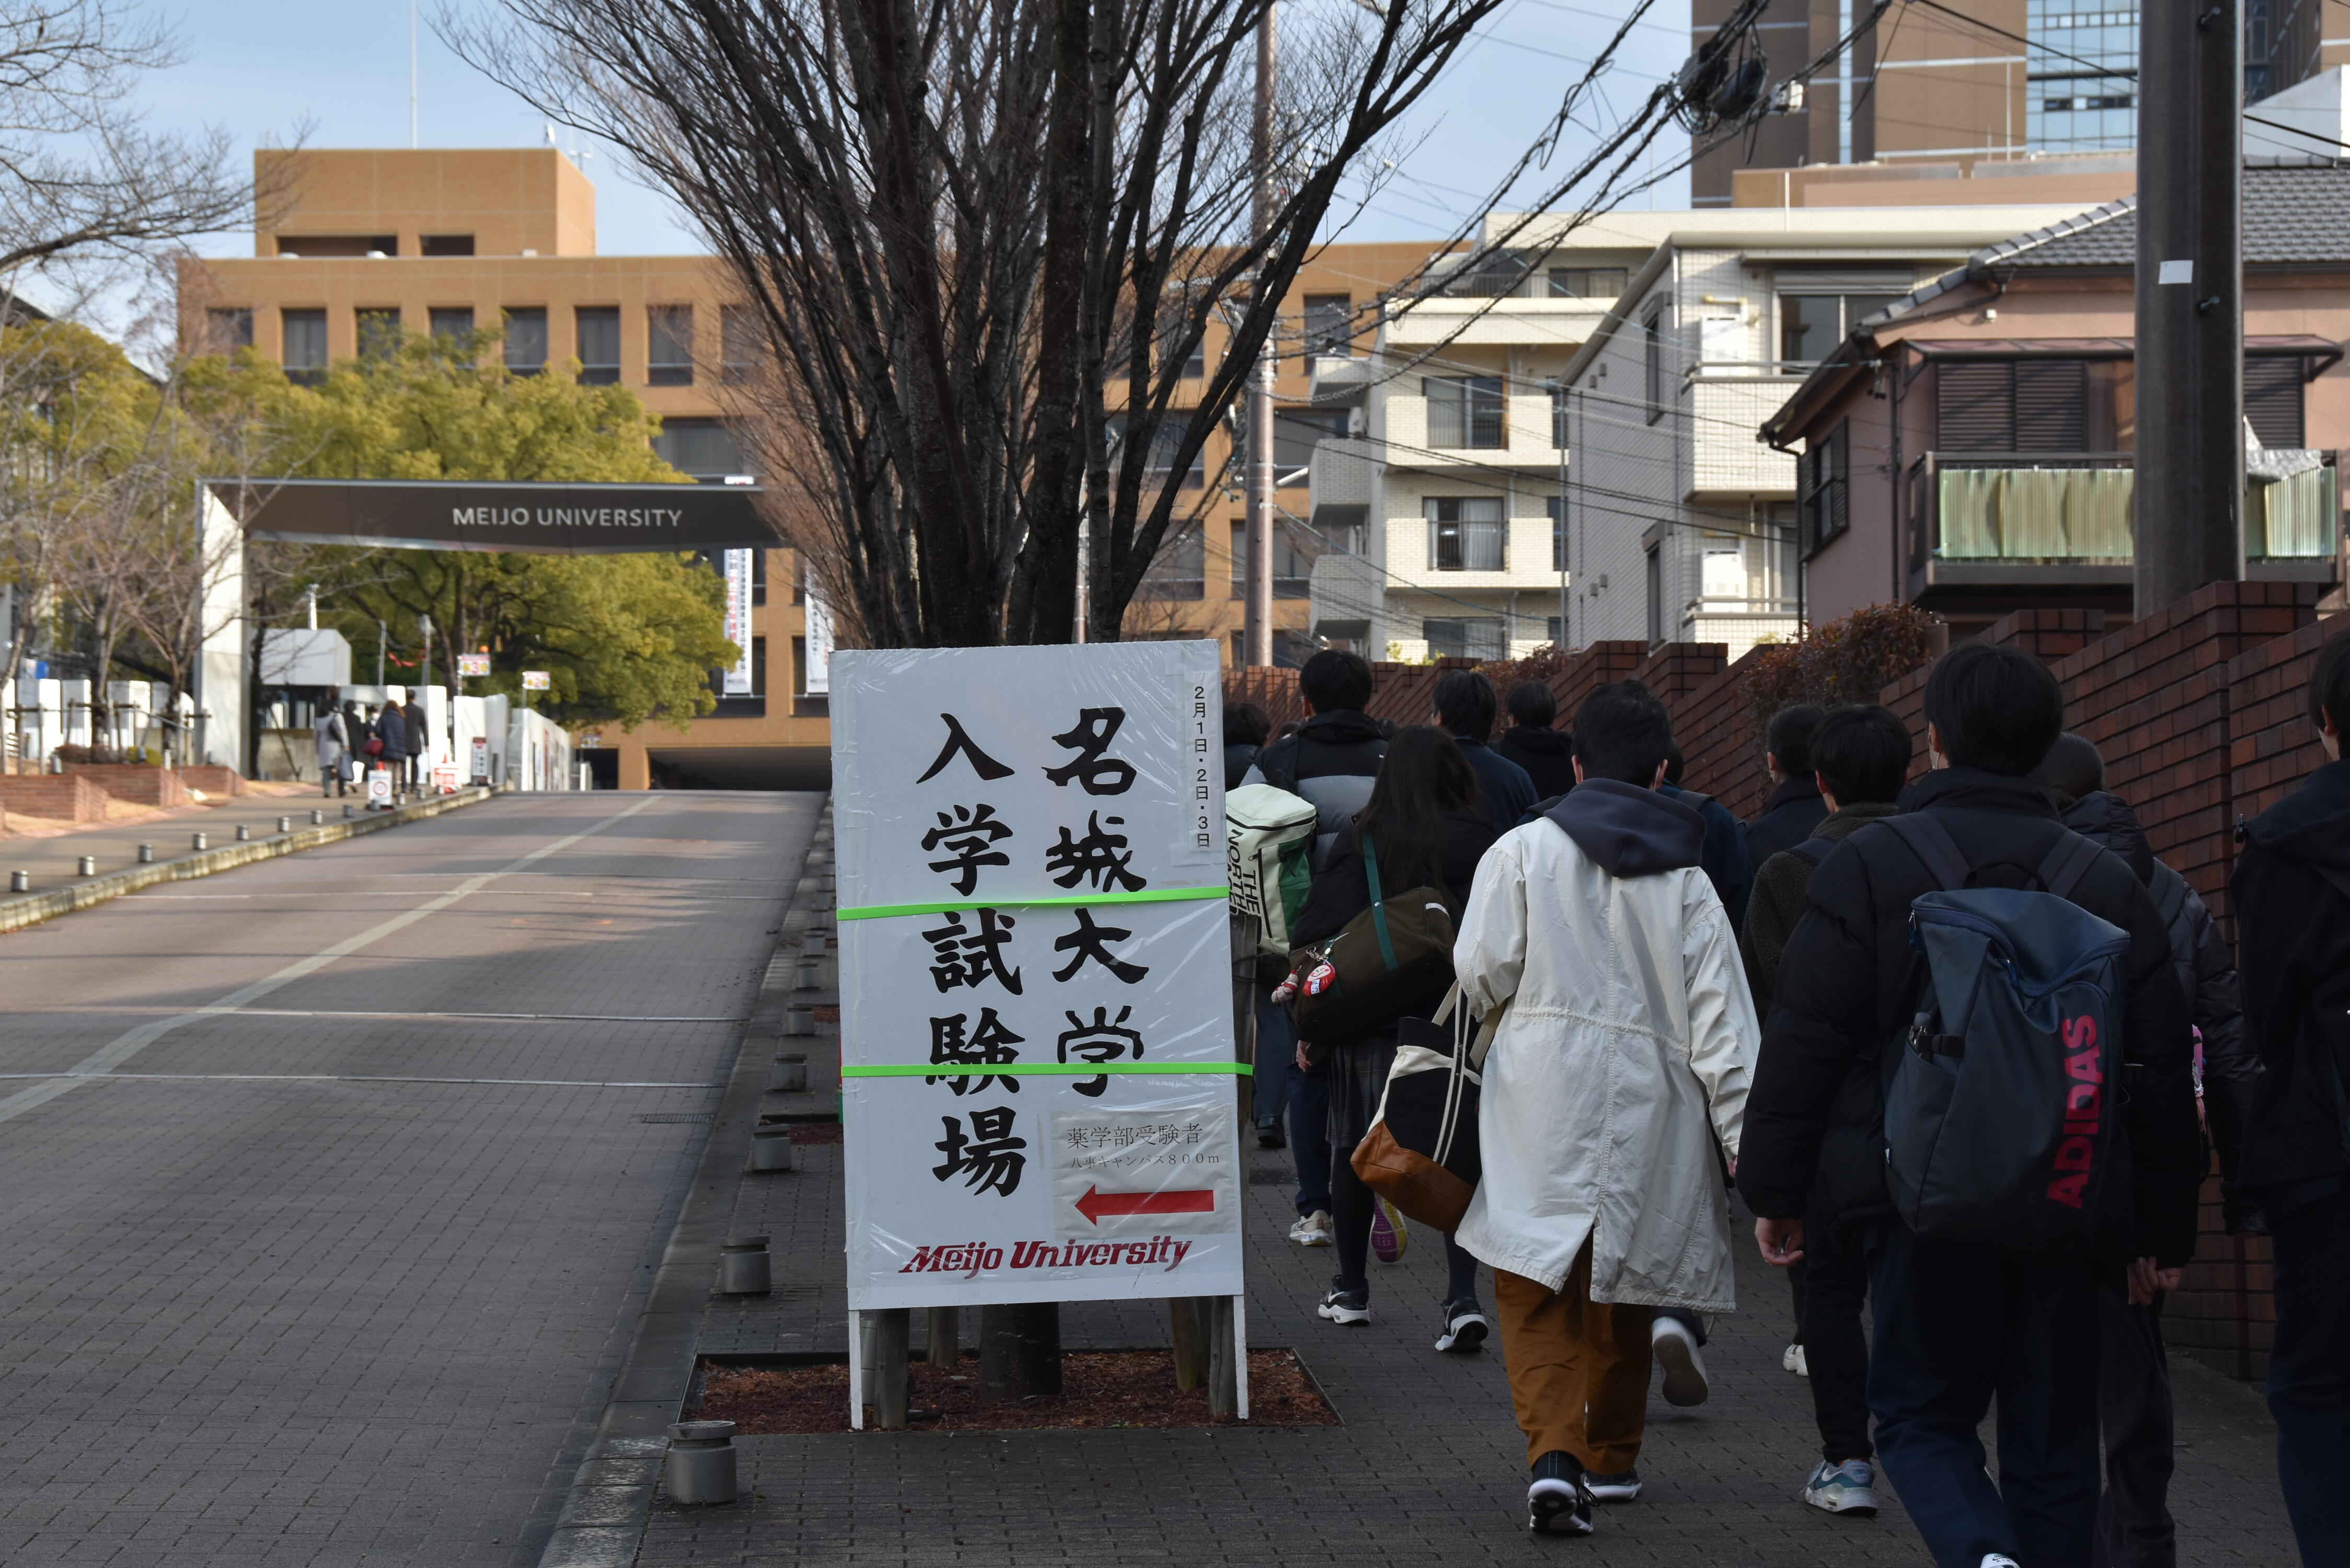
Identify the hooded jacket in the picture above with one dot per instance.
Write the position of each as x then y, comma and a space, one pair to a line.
1623, 1057
1848, 984
1782, 891
1547, 755
2207, 973
1793, 814
1331, 762
2291, 891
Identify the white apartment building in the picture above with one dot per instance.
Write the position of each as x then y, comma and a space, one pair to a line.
1563, 443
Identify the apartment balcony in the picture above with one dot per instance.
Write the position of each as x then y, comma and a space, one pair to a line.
1339, 379
1436, 435
1446, 320
2038, 521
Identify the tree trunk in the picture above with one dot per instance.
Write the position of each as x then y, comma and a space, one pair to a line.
1020, 1350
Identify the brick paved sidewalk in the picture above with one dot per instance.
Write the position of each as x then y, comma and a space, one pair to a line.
50, 858
1427, 1468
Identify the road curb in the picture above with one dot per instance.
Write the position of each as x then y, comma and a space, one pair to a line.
611, 1494
31, 908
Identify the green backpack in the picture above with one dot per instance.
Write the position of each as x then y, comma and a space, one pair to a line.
1269, 839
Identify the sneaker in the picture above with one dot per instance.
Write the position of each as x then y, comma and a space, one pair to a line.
1312, 1230
1674, 1348
1556, 1502
1345, 1307
1465, 1328
1388, 1238
1847, 1487
1998, 1560
1269, 1136
1612, 1488
1793, 1362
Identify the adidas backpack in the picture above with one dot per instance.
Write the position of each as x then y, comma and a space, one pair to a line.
2003, 1103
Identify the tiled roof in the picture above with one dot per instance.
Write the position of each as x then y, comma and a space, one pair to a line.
2292, 212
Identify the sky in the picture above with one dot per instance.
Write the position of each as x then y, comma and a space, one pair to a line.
337, 71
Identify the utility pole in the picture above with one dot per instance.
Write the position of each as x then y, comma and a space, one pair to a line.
1257, 622
2189, 486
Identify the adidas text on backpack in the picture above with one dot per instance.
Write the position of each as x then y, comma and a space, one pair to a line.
2001, 1109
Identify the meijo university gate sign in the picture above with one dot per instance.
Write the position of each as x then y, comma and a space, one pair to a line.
425, 515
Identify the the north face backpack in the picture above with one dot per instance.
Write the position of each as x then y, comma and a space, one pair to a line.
1269, 844
2002, 1111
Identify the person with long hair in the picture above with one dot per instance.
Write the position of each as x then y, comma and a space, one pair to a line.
1426, 825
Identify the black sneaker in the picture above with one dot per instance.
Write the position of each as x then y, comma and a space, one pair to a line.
1556, 1501
1346, 1308
1465, 1328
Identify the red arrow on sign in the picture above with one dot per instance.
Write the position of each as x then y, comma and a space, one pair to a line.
1096, 1203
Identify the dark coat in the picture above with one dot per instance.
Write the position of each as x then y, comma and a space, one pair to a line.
1793, 814
1547, 755
392, 730
2291, 891
1727, 863
1342, 891
1331, 762
1504, 784
418, 728
1238, 760
1814, 1133
2207, 973
1781, 893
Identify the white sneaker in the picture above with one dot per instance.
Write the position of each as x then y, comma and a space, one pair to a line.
1675, 1349
1793, 1362
1999, 1560
1847, 1487
1312, 1230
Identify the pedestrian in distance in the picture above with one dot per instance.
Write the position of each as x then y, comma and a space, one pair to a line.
1330, 761
418, 729
2135, 1529
2292, 894
1427, 827
1794, 810
1597, 1205
1247, 728
1860, 759
1984, 1265
1465, 707
333, 748
392, 728
1547, 754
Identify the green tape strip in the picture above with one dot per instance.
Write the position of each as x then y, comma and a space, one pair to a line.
1046, 1069
1148, 895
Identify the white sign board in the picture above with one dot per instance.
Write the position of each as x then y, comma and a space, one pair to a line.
473, 664
379, 789
533, 681
818, 641
481, 762
738, 621
1036, 1020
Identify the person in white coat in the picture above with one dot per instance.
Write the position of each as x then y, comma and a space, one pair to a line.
334, 747
1621, 1062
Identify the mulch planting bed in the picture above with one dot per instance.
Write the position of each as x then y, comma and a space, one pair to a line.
1099, 1388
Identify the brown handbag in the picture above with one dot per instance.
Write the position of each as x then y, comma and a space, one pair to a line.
1422, 1152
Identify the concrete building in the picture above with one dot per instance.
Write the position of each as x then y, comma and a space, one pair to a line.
1967, 447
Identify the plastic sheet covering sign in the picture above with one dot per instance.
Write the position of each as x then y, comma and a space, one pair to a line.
1036, 1025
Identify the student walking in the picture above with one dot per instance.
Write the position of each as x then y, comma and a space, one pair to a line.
2291, 890
334, 749
1595, 926
1546, 754
1860, 759
1957, 1322
1426, 827
1795, 809
1465, 707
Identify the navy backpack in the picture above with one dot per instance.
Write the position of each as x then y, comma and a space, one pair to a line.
2003, 1103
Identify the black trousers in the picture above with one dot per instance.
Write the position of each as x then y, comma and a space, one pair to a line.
1829, 1297
2134, 1524
2309, 1368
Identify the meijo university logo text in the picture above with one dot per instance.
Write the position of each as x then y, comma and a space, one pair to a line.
971, 1259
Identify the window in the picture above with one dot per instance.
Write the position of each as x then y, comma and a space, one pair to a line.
1555, 630
2272, 400
1587, 282
337, 244
759, 667
599, 345
1179, 570
1722, 571
1464, 412
305, 345
669, 346
1558, 419
702, 448
228, 329
1296, 433
1824, 479
1467, 533
1467, 637
1330, 325
526, 345
1652, 354
379, 331
1162, 461
1556, 506
448, 245
1291, 566
1656, 595
1811, 325
742, 343
1495, 275
2022, 405
452, 321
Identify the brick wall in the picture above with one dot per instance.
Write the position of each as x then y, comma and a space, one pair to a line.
57, 797
218, 783
145, 786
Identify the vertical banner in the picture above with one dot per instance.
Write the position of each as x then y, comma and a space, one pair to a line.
738, 621
1037, 1023
818, 640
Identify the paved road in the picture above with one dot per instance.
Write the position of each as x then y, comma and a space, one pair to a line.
334, 1263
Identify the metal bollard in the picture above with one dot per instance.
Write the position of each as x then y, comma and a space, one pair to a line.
86, 867
244, 833
770, 1150
349, 811
799, 1018
146, 855
284, 824
317, 817
20, 881
791, 1074
811, 974
198, 841
701, 1469
742, 1267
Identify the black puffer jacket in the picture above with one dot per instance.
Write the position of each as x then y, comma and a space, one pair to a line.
1793, 814
2207, 973
1547, 755
1815, 1134
1331, 762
